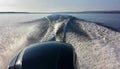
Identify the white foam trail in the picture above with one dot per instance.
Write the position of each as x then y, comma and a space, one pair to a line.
12, 38
97, 47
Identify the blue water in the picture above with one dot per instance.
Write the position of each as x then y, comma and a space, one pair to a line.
110, 20
15, 36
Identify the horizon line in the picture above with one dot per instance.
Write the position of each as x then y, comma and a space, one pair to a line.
67, 11
75, 12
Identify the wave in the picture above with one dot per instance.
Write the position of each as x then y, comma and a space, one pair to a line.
96, 45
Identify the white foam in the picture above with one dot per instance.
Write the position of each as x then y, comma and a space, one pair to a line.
97, 47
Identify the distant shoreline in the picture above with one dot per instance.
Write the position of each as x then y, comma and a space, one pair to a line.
87, 12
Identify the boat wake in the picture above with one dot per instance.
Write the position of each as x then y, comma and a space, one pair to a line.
96, 46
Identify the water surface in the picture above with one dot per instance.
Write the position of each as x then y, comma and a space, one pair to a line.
110, 20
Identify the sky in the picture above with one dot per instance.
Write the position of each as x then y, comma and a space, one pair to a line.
58, 5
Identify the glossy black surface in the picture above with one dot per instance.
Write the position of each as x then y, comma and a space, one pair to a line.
47, 55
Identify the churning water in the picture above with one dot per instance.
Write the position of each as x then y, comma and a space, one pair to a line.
97, 47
